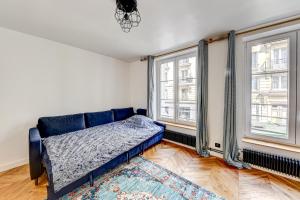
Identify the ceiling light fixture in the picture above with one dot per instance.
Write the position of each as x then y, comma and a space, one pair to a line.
127, 14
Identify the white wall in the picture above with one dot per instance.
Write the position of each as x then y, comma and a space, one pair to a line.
39, 77
216, 83
138, 84
217, 59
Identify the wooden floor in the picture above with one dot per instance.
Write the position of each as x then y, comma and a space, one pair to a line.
211, 173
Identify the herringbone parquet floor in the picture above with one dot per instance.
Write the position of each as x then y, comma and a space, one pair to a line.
215, 175
211, 173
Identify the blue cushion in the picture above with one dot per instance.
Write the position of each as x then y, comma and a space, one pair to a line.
98, 118
122, 113
50, 126
141, 111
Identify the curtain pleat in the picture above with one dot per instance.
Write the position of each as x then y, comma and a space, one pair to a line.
202, 88
150, 86
230, 145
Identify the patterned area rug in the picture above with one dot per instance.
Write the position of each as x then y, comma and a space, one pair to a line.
139, 180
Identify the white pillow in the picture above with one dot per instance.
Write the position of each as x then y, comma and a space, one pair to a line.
139, 121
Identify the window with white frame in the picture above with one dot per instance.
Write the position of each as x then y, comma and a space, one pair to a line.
177, 89
272, 92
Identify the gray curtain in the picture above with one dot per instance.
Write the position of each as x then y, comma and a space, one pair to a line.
150, 86
229, 138
202, 78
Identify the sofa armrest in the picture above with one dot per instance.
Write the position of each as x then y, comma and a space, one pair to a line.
35, 153
160, 124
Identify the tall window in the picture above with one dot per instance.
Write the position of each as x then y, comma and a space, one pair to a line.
272, 102
177, 89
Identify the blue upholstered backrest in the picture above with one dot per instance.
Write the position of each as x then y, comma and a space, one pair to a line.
57, 125
98, 118
141, 111
50, 126
122, 113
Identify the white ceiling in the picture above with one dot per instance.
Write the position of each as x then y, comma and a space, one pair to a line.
166, 24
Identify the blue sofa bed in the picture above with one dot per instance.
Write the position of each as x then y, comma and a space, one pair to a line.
52, 126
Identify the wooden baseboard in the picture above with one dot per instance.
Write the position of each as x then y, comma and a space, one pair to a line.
11, 165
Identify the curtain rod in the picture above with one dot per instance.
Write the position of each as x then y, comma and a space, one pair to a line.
225, 36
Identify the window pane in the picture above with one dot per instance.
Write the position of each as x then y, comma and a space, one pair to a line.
284, 82
275, 82
167, 109
269, 93
167, 90
187, 93
255, 83
187, 112
269, 126
166, 71
187, 89
270, 57
187, 68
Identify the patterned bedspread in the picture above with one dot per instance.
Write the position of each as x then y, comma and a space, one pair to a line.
73, 155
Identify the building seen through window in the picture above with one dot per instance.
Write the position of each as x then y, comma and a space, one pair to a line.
177, 86
269, 93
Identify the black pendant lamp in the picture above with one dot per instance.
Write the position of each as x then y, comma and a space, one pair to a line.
127, 14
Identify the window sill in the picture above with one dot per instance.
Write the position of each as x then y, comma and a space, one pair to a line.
273, 145
179, 125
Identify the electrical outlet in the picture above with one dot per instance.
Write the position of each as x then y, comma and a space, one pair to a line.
218, 145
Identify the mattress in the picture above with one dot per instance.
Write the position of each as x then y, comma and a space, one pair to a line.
71, 156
